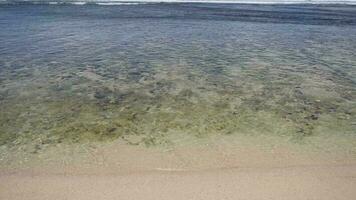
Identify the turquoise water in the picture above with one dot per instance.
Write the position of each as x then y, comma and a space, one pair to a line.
73, 74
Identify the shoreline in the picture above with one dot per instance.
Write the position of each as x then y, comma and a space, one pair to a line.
135, 2
313, 183
214, 171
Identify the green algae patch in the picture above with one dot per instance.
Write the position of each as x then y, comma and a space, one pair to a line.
150, 101
151, 119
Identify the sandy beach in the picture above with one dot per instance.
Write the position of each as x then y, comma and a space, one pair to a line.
299, 182
220, 170
103, 100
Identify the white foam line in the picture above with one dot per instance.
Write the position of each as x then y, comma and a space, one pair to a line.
170, 169
117, 3
137, 2
252, 2
79, 3
230, 1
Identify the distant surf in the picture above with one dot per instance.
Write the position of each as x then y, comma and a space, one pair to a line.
134, 2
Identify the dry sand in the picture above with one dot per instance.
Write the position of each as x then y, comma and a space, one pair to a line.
221, 170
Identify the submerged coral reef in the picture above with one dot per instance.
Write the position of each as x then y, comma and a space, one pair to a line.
116, 101
175, 77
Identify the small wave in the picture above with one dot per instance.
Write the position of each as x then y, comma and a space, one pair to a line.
79, 3
117, 3
133, 2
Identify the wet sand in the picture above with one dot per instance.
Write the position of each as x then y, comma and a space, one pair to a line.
299, 182
220, 170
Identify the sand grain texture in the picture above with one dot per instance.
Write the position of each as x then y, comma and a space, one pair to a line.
216, 172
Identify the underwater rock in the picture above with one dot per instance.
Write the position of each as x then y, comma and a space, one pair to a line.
305, 131
107, 96
101, 94
314, 116
90, 75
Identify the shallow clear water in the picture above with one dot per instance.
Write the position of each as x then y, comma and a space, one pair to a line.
148, 73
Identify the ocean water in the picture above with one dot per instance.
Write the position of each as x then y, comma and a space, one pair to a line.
148, 73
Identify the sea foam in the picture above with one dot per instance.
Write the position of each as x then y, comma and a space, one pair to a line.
135, 2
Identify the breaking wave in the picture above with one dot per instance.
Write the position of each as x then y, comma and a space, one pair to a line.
134, 2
